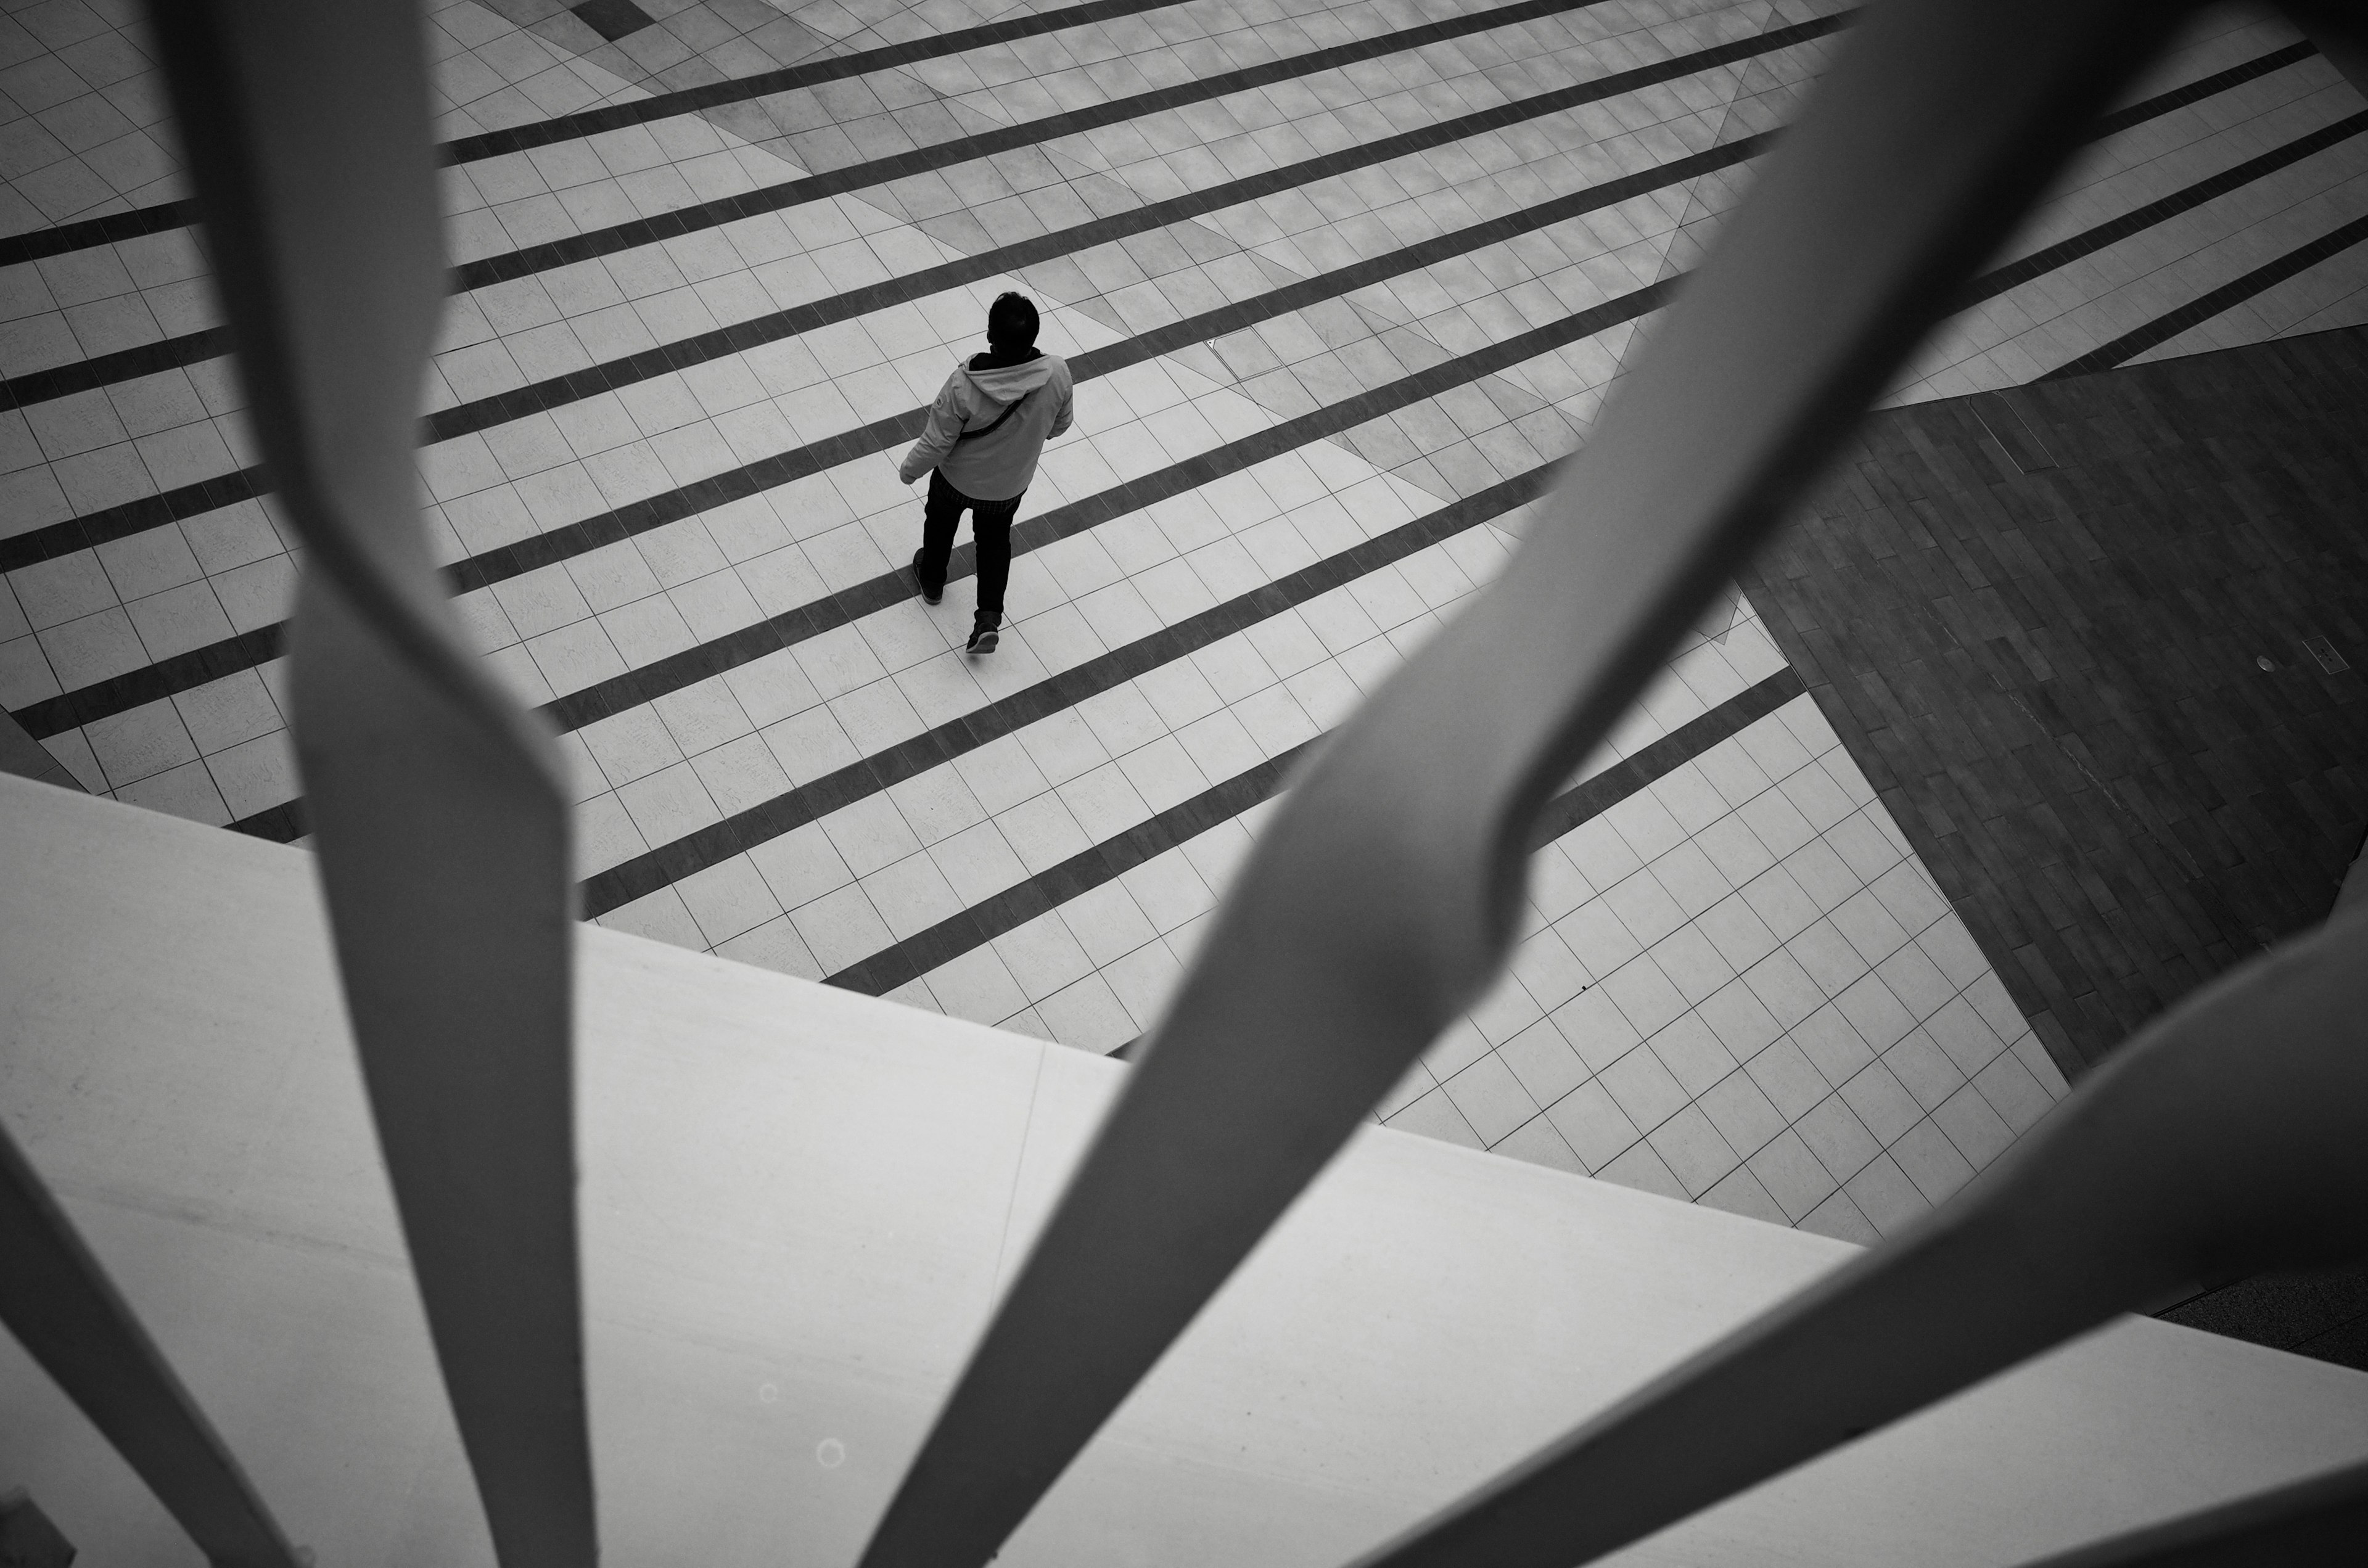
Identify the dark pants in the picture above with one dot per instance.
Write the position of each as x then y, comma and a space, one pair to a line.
990, 524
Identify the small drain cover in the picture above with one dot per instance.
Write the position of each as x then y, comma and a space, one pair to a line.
2324, 652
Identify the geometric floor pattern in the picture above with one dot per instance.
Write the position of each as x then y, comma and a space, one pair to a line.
1338, 283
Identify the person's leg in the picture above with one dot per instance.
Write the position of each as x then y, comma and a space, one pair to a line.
939, 514
990, 524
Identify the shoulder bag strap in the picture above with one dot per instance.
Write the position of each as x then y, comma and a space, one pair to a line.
990, 429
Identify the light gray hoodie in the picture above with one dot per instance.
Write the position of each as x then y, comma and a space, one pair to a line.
998, 466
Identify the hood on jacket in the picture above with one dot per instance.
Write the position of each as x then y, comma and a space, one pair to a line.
998, 384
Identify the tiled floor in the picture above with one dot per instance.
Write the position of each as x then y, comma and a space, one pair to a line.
1339, 282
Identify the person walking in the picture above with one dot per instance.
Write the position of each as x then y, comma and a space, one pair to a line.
985, 431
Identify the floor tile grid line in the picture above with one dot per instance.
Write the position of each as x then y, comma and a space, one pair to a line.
156, 511
54, 715
81, 375
2164, 327
1029, 134
246, 483
646, 873
1089, 868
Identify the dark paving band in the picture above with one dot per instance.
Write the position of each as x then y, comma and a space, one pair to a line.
1090, 868
647, 873
2185, 200
669, 863
2228, 296
181, 672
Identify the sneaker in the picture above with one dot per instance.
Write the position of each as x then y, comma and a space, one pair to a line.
983, 633
928, 595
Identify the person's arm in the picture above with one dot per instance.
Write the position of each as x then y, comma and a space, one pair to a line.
1065, 408
938, 437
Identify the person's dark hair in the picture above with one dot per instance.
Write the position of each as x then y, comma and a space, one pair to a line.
1012, 323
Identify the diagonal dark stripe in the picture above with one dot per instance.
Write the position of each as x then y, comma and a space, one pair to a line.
106, 369
89, 231
806, 74
121, 521
1071, 122
82, 375
2202, 87
811, 620
151, 683
167, 215
503, 407
2229, 295
2088, 240
519, 401
1091, 868
155, 511
282, 823
646, 873
188, 349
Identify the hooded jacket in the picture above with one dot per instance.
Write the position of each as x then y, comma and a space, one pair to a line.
998, 466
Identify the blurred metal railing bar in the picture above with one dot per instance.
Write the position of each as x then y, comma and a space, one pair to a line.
441, 815
69, 1318
2339, 29
2318, 1523
1381, 898
2224, 1138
